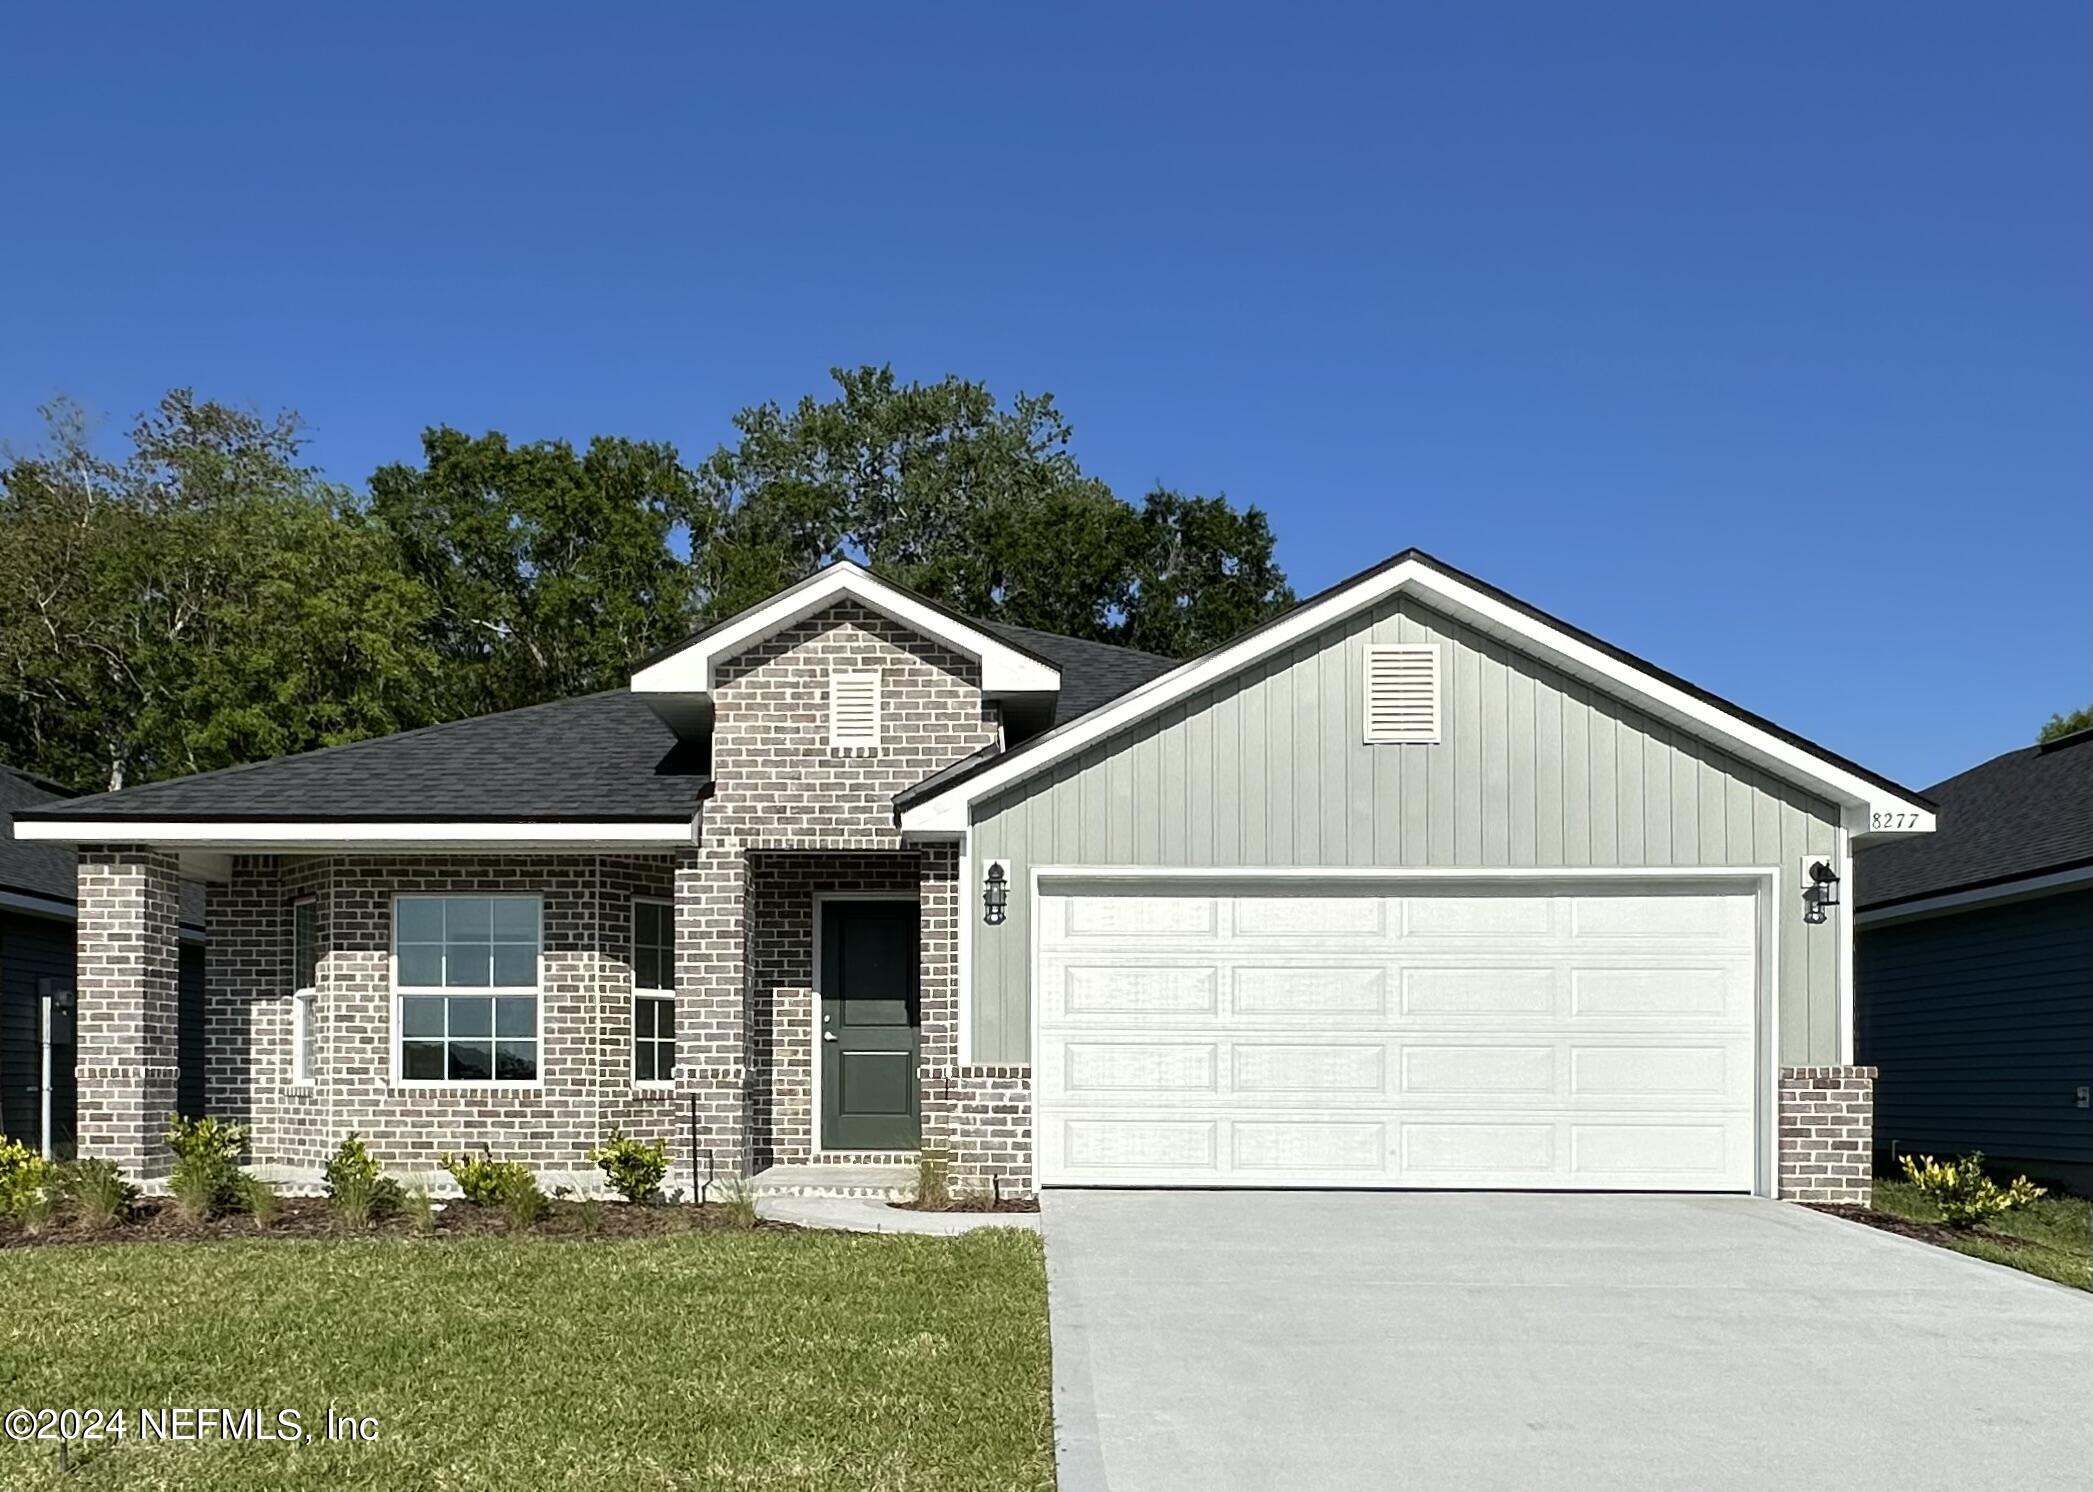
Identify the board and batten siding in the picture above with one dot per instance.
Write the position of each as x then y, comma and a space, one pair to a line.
1534, 769
1982, 1024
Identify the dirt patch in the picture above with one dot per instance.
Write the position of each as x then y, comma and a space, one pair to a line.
155, 1220
974, 1204
1938, 1234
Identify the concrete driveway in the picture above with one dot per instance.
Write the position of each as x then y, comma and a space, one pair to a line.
1265, 1341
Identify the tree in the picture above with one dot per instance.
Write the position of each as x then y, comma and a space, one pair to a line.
205, 600
553, 573
984, 508
2064, 725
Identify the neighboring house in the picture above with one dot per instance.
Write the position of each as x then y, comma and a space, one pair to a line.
1413, 886
37, 1084
1976, 967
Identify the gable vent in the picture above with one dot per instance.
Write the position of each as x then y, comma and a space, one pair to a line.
853, 709
1402, 693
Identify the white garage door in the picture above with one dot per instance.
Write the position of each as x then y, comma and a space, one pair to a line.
1595, 1035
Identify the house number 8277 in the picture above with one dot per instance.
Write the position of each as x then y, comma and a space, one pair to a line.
1905, 820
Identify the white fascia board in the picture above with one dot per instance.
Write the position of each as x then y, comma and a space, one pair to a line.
950, 810
254, 834
1004, 669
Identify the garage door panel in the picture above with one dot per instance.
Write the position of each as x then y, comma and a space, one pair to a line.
1571, 1037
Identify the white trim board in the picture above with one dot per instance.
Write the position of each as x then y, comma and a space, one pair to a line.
693, 668
949, 811
375, 834
1763, 879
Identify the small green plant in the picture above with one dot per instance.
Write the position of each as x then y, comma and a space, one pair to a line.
355, 1200
36, 1207
589, 1213
933, 1180
738, 1202
520, 1200
421, 1211
98, 1193
206, 1179
379, 1195
203, 1187
258, 1199
25, 1176
483, 1180
634, 1168
1964, 1193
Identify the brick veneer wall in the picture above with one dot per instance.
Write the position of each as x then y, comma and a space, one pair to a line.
982, 1115
126, 1005
1827, 1121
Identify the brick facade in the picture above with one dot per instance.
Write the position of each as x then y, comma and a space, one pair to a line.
1827, 1121
126, 1011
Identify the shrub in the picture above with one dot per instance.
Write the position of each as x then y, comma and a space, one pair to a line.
202, 1187
25, 1178
739, 1203
485, 1180
259, 1200
519, 1198
634, 1168
421, 1212
99, 1195
933, 1180
1965, 1195
589, 1213
377, 1194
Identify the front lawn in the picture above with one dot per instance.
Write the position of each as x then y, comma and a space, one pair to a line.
772, 1359
2052, 1238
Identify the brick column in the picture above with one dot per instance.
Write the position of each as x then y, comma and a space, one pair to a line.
712, 1001
129, 927
1827, 1124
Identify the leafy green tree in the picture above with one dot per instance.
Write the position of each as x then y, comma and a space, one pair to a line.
983, 507
2064, 725
553, 572
202, 601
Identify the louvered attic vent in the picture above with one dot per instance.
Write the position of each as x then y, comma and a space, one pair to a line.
853, 709
1402, 693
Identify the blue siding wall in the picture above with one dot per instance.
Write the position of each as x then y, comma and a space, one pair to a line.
1982, 1024
31, 949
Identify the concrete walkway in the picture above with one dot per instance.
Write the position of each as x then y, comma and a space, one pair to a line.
1267, 1341
871, 1215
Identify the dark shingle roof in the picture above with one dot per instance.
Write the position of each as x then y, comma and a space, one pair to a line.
2022, 814
1092, 673
600, 757
39, 869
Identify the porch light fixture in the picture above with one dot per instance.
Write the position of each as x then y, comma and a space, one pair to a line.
995, 894
1822, 892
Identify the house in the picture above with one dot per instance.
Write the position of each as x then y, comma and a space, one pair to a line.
1975, 967
37, 1082
1415, 885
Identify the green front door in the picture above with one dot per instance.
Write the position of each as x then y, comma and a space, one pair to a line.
871, 1025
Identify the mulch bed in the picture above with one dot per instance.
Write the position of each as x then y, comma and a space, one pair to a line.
975, 1204
155, 1220
1937, 1234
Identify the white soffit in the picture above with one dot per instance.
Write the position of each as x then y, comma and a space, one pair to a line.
692, 669
1787, 760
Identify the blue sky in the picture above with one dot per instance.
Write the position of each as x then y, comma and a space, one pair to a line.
1753, 338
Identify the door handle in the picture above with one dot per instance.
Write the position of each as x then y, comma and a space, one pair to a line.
828, 1036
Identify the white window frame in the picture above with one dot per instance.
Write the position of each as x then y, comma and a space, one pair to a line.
652, 992
1429, 651
837, 677
304, 1037
401, 992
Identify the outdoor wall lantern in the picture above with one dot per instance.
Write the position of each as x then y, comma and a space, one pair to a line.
1821, 893
995, 894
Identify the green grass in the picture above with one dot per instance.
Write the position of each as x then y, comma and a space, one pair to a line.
771, 1360
2055, 1235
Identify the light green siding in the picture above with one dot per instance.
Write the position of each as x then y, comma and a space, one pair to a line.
1534, 768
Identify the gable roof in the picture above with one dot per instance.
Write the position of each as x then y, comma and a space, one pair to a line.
2026, 813
1092, 673
688, 668
940, 805
44, 870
